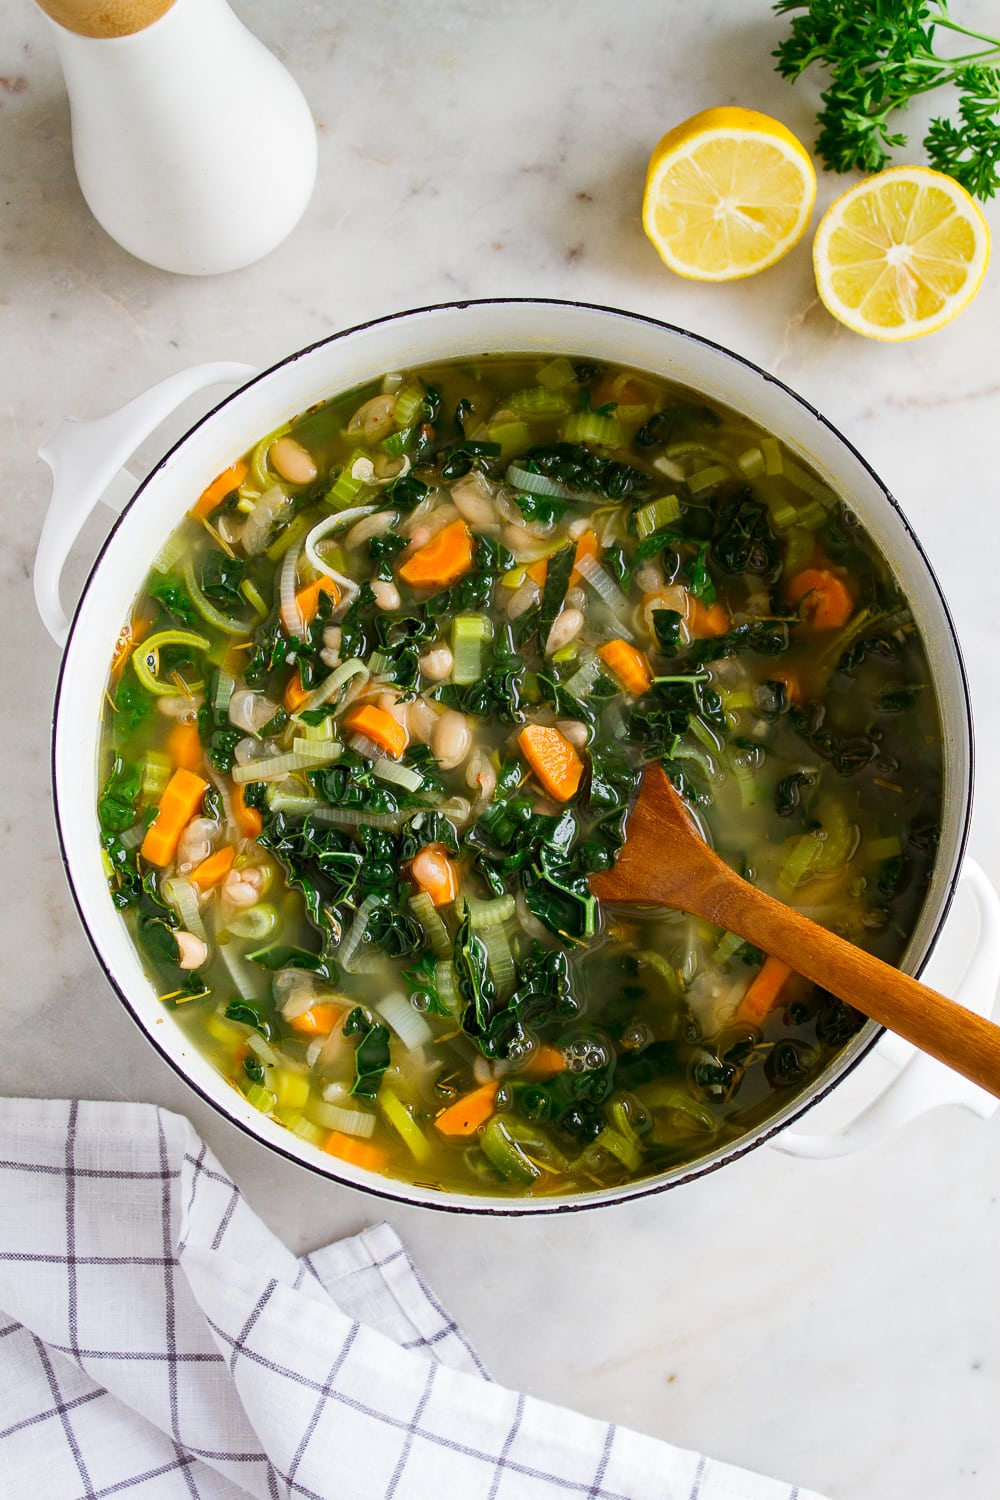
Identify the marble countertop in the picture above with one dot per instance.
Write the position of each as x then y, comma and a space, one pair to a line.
835, 1322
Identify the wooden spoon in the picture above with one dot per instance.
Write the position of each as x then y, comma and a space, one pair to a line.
666, 862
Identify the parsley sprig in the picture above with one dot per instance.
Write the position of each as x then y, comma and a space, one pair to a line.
880, 54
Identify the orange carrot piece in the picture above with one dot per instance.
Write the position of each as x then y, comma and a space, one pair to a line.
465, 1116
295, 693
213, 869
358, 1152
180, 801
184, 746
442, 560
320, 1020
308, 598
435, 873
375, 724
553, 760
249, 819
825, 602
538, 571
706, 619
765, 990
587, 546
128, 638
230, 479
628, 664
545, 1061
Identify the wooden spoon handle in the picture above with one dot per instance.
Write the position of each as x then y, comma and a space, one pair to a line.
946, 1030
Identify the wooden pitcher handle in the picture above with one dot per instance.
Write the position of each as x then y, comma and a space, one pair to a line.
946, 1030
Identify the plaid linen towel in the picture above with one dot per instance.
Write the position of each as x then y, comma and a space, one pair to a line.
158, 1341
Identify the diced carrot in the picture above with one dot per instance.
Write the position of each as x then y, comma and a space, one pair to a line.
213, 869
184, 746
442, 560
537, 571
825, 602
230, 479
465, 1116
358, 1152
180, 801
249, 819
308, 598
545, 1061
295, 693
553, 760
706, 619
587, 546
765, 990
435, 873
375, 724
628, 664
317, 1021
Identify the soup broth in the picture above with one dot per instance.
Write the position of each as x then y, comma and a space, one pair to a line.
382, 707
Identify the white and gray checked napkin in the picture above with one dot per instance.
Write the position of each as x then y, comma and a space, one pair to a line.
158, 1340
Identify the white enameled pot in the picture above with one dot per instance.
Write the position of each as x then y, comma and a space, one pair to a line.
87, 458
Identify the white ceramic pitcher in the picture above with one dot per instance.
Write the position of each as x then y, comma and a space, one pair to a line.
194, 147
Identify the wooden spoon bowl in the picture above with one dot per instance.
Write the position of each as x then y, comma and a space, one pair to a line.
666, 862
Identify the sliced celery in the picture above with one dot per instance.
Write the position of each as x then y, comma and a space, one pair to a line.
771, 450
704, 479
430, 920
254, 598
293, 532
254, 923
409, 405
505, 1154
592, 427
156, 770
402, 1121
650, 518
469, 634
306, 1130
880, 849
345, 487
751, 463
261, 1098
291, 1090
557, 374
538, 402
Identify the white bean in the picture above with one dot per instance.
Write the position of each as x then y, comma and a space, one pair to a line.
577, 527
191, 951
369, 526
374, 418
575, 598
389, 466
436, 664
242, 887
649, 578
195, 843
179, 706
564, 628
420, 720
523, 543
291, 461
573, 730
473, 501
386, 593
481, 775
674, 597
451, 739
422, 524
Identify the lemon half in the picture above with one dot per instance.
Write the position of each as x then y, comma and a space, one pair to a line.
901, 254
728, 193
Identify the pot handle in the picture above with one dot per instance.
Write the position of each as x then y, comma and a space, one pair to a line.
920, 1082
87, 462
